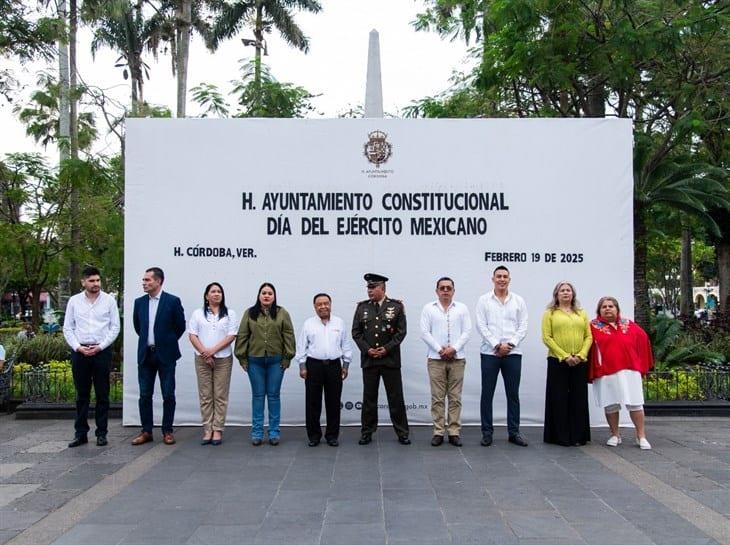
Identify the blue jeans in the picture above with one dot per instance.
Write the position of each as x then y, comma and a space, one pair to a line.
146, 373
511, 368
266, 375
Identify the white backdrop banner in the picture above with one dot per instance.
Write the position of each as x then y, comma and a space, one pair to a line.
312, 205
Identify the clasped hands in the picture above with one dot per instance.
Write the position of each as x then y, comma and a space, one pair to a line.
377, 353
572, 360
447, 353
89, 351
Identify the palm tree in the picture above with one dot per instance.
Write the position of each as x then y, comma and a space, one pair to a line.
680, 182
262, 16
122, 26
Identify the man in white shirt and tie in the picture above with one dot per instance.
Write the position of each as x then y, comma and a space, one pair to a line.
502, 323
324, 353
446, 328
90, 327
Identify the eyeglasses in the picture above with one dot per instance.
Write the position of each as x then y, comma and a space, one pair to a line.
445, 288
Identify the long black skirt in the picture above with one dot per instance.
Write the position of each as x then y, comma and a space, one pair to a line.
567, 421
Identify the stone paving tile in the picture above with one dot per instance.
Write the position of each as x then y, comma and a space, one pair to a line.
539, 524
7, 470
7, 535
611, 532
239, 534
11, 519
48, 447
481, 532
11, 492
95, 534
718, 500
350, 511
418, 526
356, 533
43, 499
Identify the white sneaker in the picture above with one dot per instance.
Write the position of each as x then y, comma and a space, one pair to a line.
614, 441
643, 443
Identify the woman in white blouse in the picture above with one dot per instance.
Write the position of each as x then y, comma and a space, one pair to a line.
212, 329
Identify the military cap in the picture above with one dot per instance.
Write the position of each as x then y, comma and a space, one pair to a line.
373, 278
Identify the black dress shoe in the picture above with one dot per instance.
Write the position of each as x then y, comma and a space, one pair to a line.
333, 442
273, 441
313, 443
101, 441
455, 440
436, 440
78, 441
486, 440
517, 440
365, 439
257, 442
403, 440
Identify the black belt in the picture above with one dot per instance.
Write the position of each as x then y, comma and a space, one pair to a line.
325, 362
151, 347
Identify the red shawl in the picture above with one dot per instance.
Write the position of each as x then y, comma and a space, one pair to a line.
625, 346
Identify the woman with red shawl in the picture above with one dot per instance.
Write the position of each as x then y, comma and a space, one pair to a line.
620, 355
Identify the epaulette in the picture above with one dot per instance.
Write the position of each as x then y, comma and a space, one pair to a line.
399, 301
361, 302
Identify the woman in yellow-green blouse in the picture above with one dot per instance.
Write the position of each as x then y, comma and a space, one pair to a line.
566, 332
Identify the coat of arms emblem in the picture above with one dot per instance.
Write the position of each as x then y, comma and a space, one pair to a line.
377, 149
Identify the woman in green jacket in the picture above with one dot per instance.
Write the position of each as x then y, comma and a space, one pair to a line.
264, 347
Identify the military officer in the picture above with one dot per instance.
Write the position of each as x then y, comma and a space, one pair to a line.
378, 329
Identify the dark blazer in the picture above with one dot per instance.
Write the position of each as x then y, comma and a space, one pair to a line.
169, 327
372, 329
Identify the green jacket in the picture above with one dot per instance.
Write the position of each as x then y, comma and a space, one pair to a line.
266, 337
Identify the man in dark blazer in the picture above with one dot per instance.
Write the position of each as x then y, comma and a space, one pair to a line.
159, 320
378, 329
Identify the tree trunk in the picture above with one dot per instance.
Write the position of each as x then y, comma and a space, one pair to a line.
686, 305
64, 112
183, 19
258, 34
722, 247
74, 268
641, 290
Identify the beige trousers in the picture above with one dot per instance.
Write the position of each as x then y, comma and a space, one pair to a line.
447, 381
213, 387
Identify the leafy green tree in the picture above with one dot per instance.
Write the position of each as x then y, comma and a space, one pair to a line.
268, 97
23, 37
210, 98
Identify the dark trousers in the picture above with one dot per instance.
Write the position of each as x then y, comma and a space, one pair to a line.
146, 373
393, 389
566, 404
323, 375
87, 371
511, 368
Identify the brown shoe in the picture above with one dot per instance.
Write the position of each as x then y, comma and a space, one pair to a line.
168, 438
142, 438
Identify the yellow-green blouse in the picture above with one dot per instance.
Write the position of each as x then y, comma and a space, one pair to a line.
566, 334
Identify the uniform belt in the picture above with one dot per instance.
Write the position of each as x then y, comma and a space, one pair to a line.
151, 347
324, 362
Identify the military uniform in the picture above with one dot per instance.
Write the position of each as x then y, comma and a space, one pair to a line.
381, 325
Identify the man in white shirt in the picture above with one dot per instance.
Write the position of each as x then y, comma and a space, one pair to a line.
502, 323
324, 353
445, 328
90, 327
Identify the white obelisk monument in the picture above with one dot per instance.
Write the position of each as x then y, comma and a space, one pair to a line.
373, 85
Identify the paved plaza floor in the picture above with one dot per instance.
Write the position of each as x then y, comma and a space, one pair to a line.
384, 493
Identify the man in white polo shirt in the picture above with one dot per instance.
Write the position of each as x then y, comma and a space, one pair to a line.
445, 328
324, 353
90, 327
502, 323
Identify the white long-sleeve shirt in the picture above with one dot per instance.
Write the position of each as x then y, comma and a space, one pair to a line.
450, 327
91, 322
499, 322
324, 341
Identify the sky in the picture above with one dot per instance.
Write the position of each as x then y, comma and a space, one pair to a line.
414, 65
